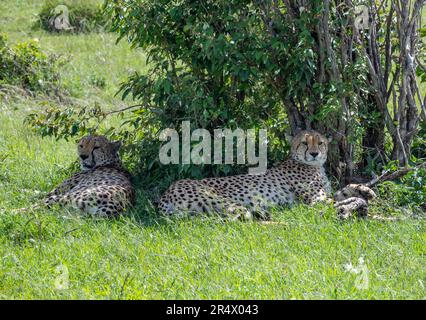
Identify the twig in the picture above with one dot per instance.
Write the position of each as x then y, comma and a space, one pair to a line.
124, 285
386, 176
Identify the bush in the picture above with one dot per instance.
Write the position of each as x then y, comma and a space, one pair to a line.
26, 66
84, 15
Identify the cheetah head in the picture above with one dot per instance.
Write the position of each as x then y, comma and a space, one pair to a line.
309, 147
97, 151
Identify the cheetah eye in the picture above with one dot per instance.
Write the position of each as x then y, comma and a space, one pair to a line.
305, 143
320, 143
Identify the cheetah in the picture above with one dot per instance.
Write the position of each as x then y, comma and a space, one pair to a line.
302, 177
102, 187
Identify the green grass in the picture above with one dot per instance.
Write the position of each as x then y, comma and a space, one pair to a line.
143, 256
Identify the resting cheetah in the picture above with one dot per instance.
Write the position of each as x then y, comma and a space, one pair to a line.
302, 177
102, 188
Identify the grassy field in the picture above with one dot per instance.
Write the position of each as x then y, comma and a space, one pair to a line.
59, 254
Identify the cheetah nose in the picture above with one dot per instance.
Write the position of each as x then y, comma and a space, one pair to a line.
314, 154
83, 157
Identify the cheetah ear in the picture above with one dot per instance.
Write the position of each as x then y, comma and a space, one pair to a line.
116, 145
